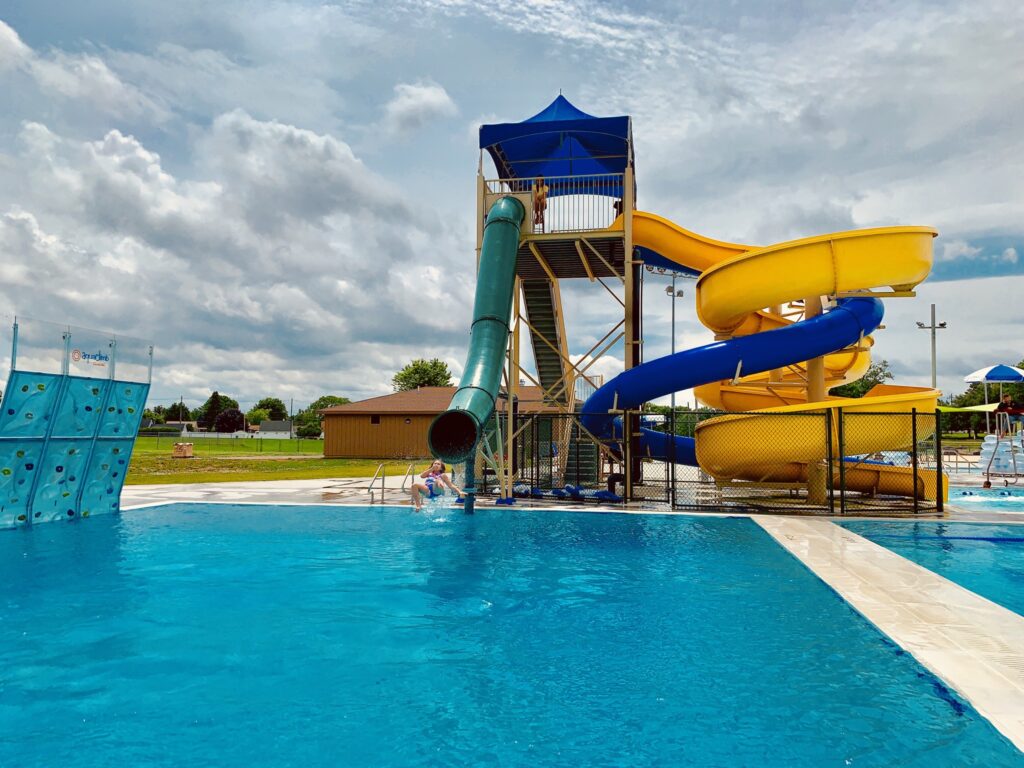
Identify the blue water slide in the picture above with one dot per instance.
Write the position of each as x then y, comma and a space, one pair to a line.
845, 324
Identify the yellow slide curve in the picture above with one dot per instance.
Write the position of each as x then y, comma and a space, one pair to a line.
744, 289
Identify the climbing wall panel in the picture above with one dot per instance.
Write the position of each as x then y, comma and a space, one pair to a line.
65, 444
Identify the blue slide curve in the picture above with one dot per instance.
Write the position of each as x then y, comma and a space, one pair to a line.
844, 325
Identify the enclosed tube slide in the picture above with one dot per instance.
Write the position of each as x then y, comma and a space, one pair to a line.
453, 435
849, 321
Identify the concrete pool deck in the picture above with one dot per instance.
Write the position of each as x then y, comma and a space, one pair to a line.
975, 646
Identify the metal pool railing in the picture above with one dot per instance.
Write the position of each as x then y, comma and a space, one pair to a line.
570, 203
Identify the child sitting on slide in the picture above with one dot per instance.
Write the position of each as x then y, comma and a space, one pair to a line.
434, 479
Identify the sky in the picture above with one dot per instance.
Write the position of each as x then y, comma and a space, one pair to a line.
280, 194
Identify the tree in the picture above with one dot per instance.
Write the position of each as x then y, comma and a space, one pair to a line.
153, 415
274, 406
326, 401
211, 409
308, 420
257, 415
877, 373
177, 412
422, 373
230, 420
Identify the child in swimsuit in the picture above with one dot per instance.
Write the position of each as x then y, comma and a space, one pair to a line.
435, 480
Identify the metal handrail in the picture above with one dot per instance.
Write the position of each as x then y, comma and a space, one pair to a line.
408, 474
383, 475
582, 203
353, 484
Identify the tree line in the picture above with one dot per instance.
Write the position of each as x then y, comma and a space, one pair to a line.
220, 413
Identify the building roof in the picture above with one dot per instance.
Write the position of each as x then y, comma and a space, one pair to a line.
429, 401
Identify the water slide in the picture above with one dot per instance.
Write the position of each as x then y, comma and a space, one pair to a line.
454, 434
758, 363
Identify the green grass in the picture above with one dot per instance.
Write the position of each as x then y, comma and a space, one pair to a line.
241, 446
242, 460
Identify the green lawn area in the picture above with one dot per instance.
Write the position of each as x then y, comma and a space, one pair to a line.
240, 446
223, 461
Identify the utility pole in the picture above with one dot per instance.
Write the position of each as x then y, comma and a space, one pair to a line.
933, 327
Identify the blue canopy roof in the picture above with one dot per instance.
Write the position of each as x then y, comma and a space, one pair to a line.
561, 140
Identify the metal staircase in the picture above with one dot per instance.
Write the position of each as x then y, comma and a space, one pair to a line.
545, 332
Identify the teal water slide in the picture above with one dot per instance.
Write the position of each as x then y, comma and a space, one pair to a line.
454, 434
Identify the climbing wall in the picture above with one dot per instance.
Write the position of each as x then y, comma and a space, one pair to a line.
65, 443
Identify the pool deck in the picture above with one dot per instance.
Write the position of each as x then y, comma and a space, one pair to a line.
975, 646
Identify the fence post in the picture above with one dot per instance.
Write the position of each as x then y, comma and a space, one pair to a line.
627, 456
913, 454
841, 424
939, 485
672, 457
829, 459
535, 459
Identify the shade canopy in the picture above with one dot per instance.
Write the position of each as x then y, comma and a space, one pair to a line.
562, 140
996, 374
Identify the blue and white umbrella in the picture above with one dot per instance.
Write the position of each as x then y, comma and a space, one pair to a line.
1002, 374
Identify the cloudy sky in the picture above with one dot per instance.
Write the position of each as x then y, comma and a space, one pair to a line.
280, 193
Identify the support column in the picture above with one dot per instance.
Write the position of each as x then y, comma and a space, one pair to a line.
631, 274
817, 475
513, 391
776, 373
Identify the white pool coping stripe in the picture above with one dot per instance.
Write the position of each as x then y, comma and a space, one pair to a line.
972, 644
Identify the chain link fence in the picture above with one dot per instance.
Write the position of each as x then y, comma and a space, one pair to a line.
828, 462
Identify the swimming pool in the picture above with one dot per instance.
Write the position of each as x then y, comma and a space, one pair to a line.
998, 499
257, 636
986, 558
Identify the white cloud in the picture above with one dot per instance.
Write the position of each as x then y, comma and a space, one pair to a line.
952, 250
13, 52
290, 249
416, 104
77, 77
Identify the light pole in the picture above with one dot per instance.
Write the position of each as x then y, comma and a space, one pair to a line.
671, 291
933, 327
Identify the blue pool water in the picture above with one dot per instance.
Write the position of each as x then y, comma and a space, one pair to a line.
316, 636
986, 558
998, 499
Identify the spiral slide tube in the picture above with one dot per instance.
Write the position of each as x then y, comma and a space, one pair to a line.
843, 326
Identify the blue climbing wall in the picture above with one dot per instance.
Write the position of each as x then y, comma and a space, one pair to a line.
65, 443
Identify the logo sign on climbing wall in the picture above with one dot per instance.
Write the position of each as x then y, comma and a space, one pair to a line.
96, 358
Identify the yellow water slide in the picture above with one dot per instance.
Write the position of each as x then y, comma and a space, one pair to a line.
745, 290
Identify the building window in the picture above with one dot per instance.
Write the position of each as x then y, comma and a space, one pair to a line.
375, 419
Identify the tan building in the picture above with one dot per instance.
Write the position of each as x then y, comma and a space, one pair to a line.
395, 426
